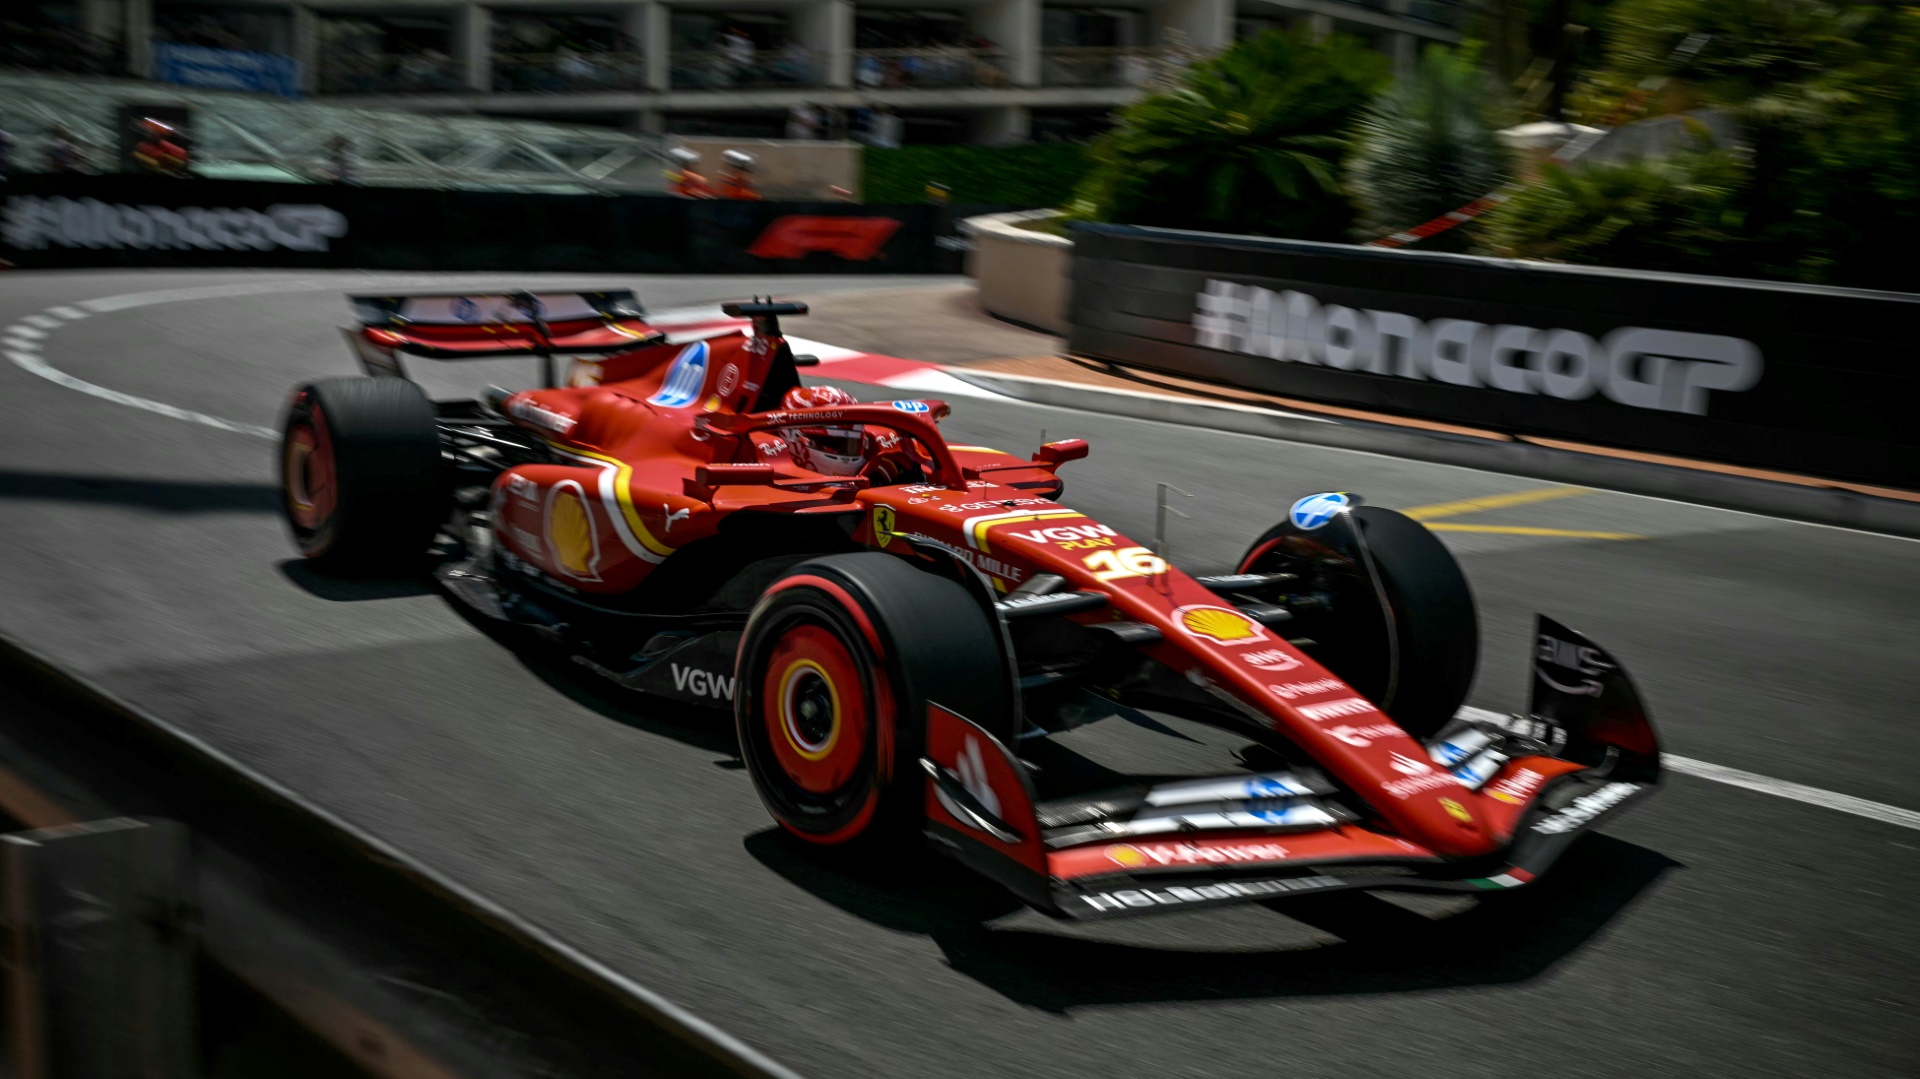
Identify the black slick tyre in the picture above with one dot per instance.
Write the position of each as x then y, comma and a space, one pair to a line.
360, 474
1435, 625
1429, 612
837, 665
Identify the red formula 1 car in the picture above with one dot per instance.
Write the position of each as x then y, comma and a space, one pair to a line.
901, 626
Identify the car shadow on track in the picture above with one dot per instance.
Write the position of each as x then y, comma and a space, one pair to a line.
1383, 947
707, 729
162, 496
337, 589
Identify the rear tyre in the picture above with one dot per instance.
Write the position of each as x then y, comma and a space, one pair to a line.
838, 663
360, 474
1436, 631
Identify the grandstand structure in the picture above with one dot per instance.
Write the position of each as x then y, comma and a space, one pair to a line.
992, 71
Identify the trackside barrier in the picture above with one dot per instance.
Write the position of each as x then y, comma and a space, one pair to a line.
67, 222
1795, 378
291, 901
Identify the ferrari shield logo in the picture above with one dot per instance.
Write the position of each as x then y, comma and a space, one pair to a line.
883, 532
570, 534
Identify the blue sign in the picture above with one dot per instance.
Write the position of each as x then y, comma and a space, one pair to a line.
911, 406
1315, 511
465, 310
226, 69
685, 379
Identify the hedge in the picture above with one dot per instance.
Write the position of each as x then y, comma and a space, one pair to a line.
1034, 176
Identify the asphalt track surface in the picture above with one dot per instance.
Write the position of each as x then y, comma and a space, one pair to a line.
1713, 931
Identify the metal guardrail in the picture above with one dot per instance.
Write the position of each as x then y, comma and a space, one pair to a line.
942, 66
314, 914
1077, 65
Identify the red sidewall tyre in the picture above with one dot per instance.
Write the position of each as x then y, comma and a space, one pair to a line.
362, 485
837, 665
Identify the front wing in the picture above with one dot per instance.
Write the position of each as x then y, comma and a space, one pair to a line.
1584, 753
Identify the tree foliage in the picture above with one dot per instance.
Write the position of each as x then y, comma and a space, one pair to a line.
1250, 141
1429, 144
1679, 213
1827, 96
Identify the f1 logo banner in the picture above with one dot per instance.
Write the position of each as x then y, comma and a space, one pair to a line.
795, 236
1796, 378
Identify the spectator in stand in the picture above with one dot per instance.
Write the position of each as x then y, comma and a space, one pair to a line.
738, 50
803, 122
867, 72
63, 154
860, 125
6, 155
888, 128
795, 64
340, 161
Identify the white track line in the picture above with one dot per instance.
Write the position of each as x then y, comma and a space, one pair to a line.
1753, 781
22, 332
38, 366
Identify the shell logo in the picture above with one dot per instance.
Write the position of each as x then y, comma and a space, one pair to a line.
1220, 625
1456, 810
1123, 854
570, 533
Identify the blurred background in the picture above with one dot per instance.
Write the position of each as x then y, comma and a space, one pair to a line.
1775, 134
1615, 293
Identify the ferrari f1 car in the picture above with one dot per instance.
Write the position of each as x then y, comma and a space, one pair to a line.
898, 624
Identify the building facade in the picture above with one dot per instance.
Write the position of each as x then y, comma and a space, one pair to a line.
987, 71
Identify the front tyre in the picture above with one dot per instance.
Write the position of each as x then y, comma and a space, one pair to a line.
1421, 678
360, 473
838, 663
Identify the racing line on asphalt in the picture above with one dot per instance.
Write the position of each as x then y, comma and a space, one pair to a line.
24, 339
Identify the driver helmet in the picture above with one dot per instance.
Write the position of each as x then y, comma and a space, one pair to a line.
830, 451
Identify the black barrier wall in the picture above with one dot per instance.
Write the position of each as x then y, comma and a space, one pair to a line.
1787, 377
49, 221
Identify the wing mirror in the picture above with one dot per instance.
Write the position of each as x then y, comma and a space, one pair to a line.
1059, 453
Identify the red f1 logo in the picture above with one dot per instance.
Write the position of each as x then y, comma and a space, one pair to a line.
855, 239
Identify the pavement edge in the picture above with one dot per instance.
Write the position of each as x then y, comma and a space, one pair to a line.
124, 722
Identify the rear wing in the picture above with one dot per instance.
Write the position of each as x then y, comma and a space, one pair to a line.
466, 326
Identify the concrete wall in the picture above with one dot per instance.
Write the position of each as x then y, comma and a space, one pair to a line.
1023, 276
783, 169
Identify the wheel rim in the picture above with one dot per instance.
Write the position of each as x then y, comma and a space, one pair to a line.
816, 710
311, 488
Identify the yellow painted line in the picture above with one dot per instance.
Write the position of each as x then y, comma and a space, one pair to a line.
1493, 502
1521, 530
